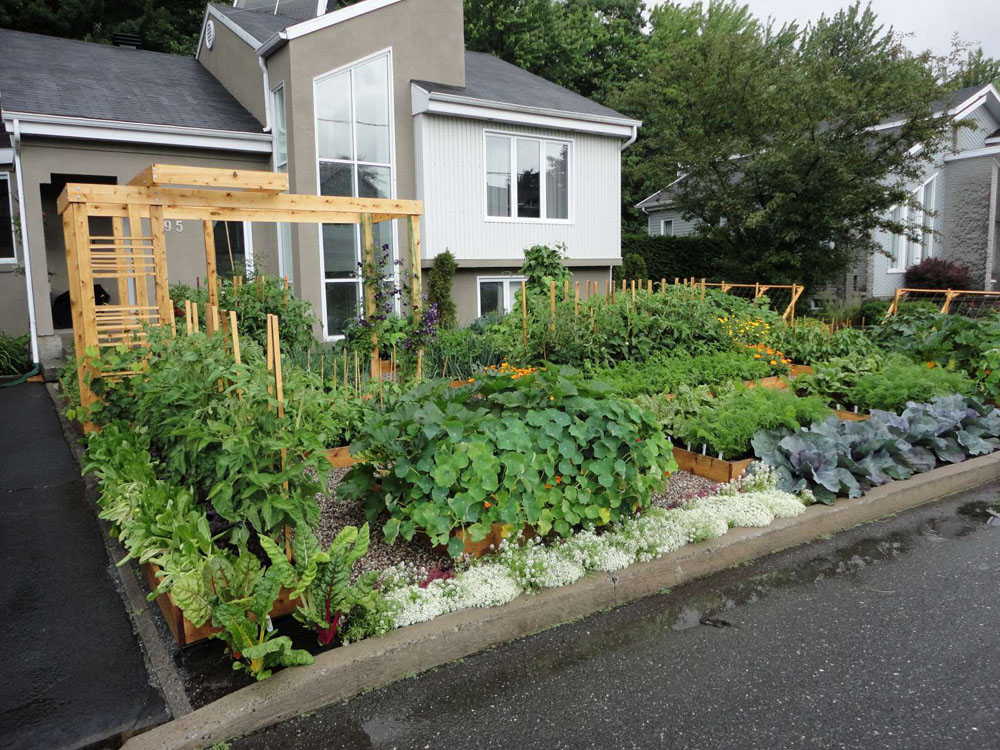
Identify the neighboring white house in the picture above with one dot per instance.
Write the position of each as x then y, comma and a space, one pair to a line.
960, 193
378, 99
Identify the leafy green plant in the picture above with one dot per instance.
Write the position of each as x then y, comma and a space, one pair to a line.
543, 265
834, 458
15, 354
325, 592
549, 449
666, 374
810, 342
725, 419
439, 282
237, 594
461, 352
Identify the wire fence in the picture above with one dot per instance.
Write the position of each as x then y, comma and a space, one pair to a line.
968, 302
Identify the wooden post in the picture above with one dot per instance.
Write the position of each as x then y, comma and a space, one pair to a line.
663, 286
76, 232
235, 336
576, 300
649, 286
524, 314
703, 289
894, 307
633, 291
948, 297
122, 246
161, 284
608, 288
416, 291
194, 317
552, 304
138, 261
187, 316
566, 289
368, 260
789, 313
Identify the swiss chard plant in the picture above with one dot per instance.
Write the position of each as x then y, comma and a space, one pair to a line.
835, 458
545, 448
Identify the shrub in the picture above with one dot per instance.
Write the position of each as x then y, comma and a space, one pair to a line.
439, 283
834, 458
15, 354
633, 267
726, 420
545, 448
936, 273
684, 257
543, 265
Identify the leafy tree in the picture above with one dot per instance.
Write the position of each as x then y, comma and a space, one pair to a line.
773, 127
967, 65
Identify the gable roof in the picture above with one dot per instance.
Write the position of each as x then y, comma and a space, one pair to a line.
46, 75
488, 78
258, 24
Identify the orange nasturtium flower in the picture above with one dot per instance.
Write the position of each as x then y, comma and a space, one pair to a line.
930, 365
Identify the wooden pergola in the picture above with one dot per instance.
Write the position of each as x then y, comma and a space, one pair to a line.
136, 259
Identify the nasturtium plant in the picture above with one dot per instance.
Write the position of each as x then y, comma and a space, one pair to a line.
547, 449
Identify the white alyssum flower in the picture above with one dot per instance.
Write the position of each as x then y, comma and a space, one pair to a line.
745, 510
412, 604
782, 504
596, 552
487, 585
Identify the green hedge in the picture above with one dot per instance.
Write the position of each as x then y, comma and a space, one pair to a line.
672, 257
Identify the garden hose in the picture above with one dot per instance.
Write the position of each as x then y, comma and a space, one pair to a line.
24, 378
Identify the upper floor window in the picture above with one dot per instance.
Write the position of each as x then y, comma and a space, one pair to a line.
905, 251
7, 253
354, 142
280, 133
527, 178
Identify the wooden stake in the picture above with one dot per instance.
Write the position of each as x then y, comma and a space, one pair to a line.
607, 288
187, 316
576, 300
236, 336
663, 286
368, 259
211, 271
552, 304
524, 314
566, 289
194, 317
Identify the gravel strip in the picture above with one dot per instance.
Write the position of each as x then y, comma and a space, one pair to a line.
683, 485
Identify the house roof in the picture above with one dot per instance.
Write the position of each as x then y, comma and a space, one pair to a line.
257, 23
51, 76
491, 79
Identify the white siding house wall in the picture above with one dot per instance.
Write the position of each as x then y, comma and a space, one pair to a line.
969, 138
451, 181
682, 227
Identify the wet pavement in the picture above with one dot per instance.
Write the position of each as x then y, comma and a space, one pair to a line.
882, 636
72, 673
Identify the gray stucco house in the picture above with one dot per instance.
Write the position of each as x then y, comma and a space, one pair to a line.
379, 99
961, 187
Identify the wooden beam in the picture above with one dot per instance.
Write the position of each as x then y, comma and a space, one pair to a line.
368, 263
161, 282
156, 175
229, 199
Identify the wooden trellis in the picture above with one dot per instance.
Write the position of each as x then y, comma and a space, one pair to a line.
134, 257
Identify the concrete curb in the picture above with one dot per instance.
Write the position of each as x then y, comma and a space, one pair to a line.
341, 673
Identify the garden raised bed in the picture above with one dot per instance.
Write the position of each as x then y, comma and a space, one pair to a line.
183, 630
716, 469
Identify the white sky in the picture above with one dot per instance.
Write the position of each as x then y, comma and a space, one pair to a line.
932, 22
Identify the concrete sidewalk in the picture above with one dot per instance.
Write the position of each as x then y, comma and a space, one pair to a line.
72, 673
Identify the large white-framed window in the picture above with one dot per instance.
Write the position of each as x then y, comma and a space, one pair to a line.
527, 178
355, 149
905, 251
8, 245
667, 227
496, 294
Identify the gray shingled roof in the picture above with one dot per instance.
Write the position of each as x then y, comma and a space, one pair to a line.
995, 134
258, 24
52, 76
492, 79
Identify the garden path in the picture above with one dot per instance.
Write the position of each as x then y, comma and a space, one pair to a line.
881, 636
72, 673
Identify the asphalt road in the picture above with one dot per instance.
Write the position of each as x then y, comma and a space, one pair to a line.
71, 673
884, 636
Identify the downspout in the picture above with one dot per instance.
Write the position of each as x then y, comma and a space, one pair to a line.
267, 97
632, 138
32, 323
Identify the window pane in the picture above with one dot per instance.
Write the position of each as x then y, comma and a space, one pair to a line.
897, 240
6, 222
371, 83
490, 298
928, 201
341, 306
497, 176
528, 184
280, 136
373, 182
285, 246
336, 179
556, 180
230, 252
668, 228
333, 117
340, 251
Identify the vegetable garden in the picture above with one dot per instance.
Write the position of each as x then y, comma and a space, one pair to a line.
496, 459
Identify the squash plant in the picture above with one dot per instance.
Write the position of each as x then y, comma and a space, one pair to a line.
547, 449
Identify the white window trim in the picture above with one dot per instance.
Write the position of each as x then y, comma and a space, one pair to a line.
5, 176
902, 262
508, 291
284, 111
541, 140
663, 227
387, 52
